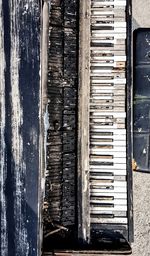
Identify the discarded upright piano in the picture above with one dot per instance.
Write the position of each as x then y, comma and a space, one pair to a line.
65, 133
88, 199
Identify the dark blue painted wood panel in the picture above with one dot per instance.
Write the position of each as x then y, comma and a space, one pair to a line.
20, 126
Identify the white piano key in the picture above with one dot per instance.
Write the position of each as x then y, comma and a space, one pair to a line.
113, 47
108, 66
119, 168
115, 126
97, 127
113, 194
114, 201
112, 107
110, 168
106, 52
102, 127
95, 90
108, 71
98, 209
107, 36
97, 183
98, 120
116, 123
105, 81
96, 103
110, 32
110, 173
108, 41
120, 107
115, 115
107, 133
112, 87
109, 58
106, 121
105, 97
115, 160
112, 24
116, 138
109, 220
117, 67
107, 176
105, 19
97, 99
118, 12
107, 150
107, 118
108, 214
116, 172
105, 136
109, 3
109, 191
122, 153
114, 142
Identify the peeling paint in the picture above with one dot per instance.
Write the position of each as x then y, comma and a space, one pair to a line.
147, 39
144, 151
33, 137
3, 236
19, 129
22, 245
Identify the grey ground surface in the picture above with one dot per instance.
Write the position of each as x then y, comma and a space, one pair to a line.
141, 12
141, 181
141, 245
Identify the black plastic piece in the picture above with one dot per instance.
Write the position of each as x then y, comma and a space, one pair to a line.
142, 99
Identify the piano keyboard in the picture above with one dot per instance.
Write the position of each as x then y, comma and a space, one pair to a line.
108, 182
103, 168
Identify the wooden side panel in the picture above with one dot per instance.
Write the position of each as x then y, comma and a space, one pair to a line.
130, 122
83, 120
19, 130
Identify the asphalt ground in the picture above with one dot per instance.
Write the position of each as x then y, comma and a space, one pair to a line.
141, 181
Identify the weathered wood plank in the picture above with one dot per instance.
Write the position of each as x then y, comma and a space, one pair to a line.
83, 126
